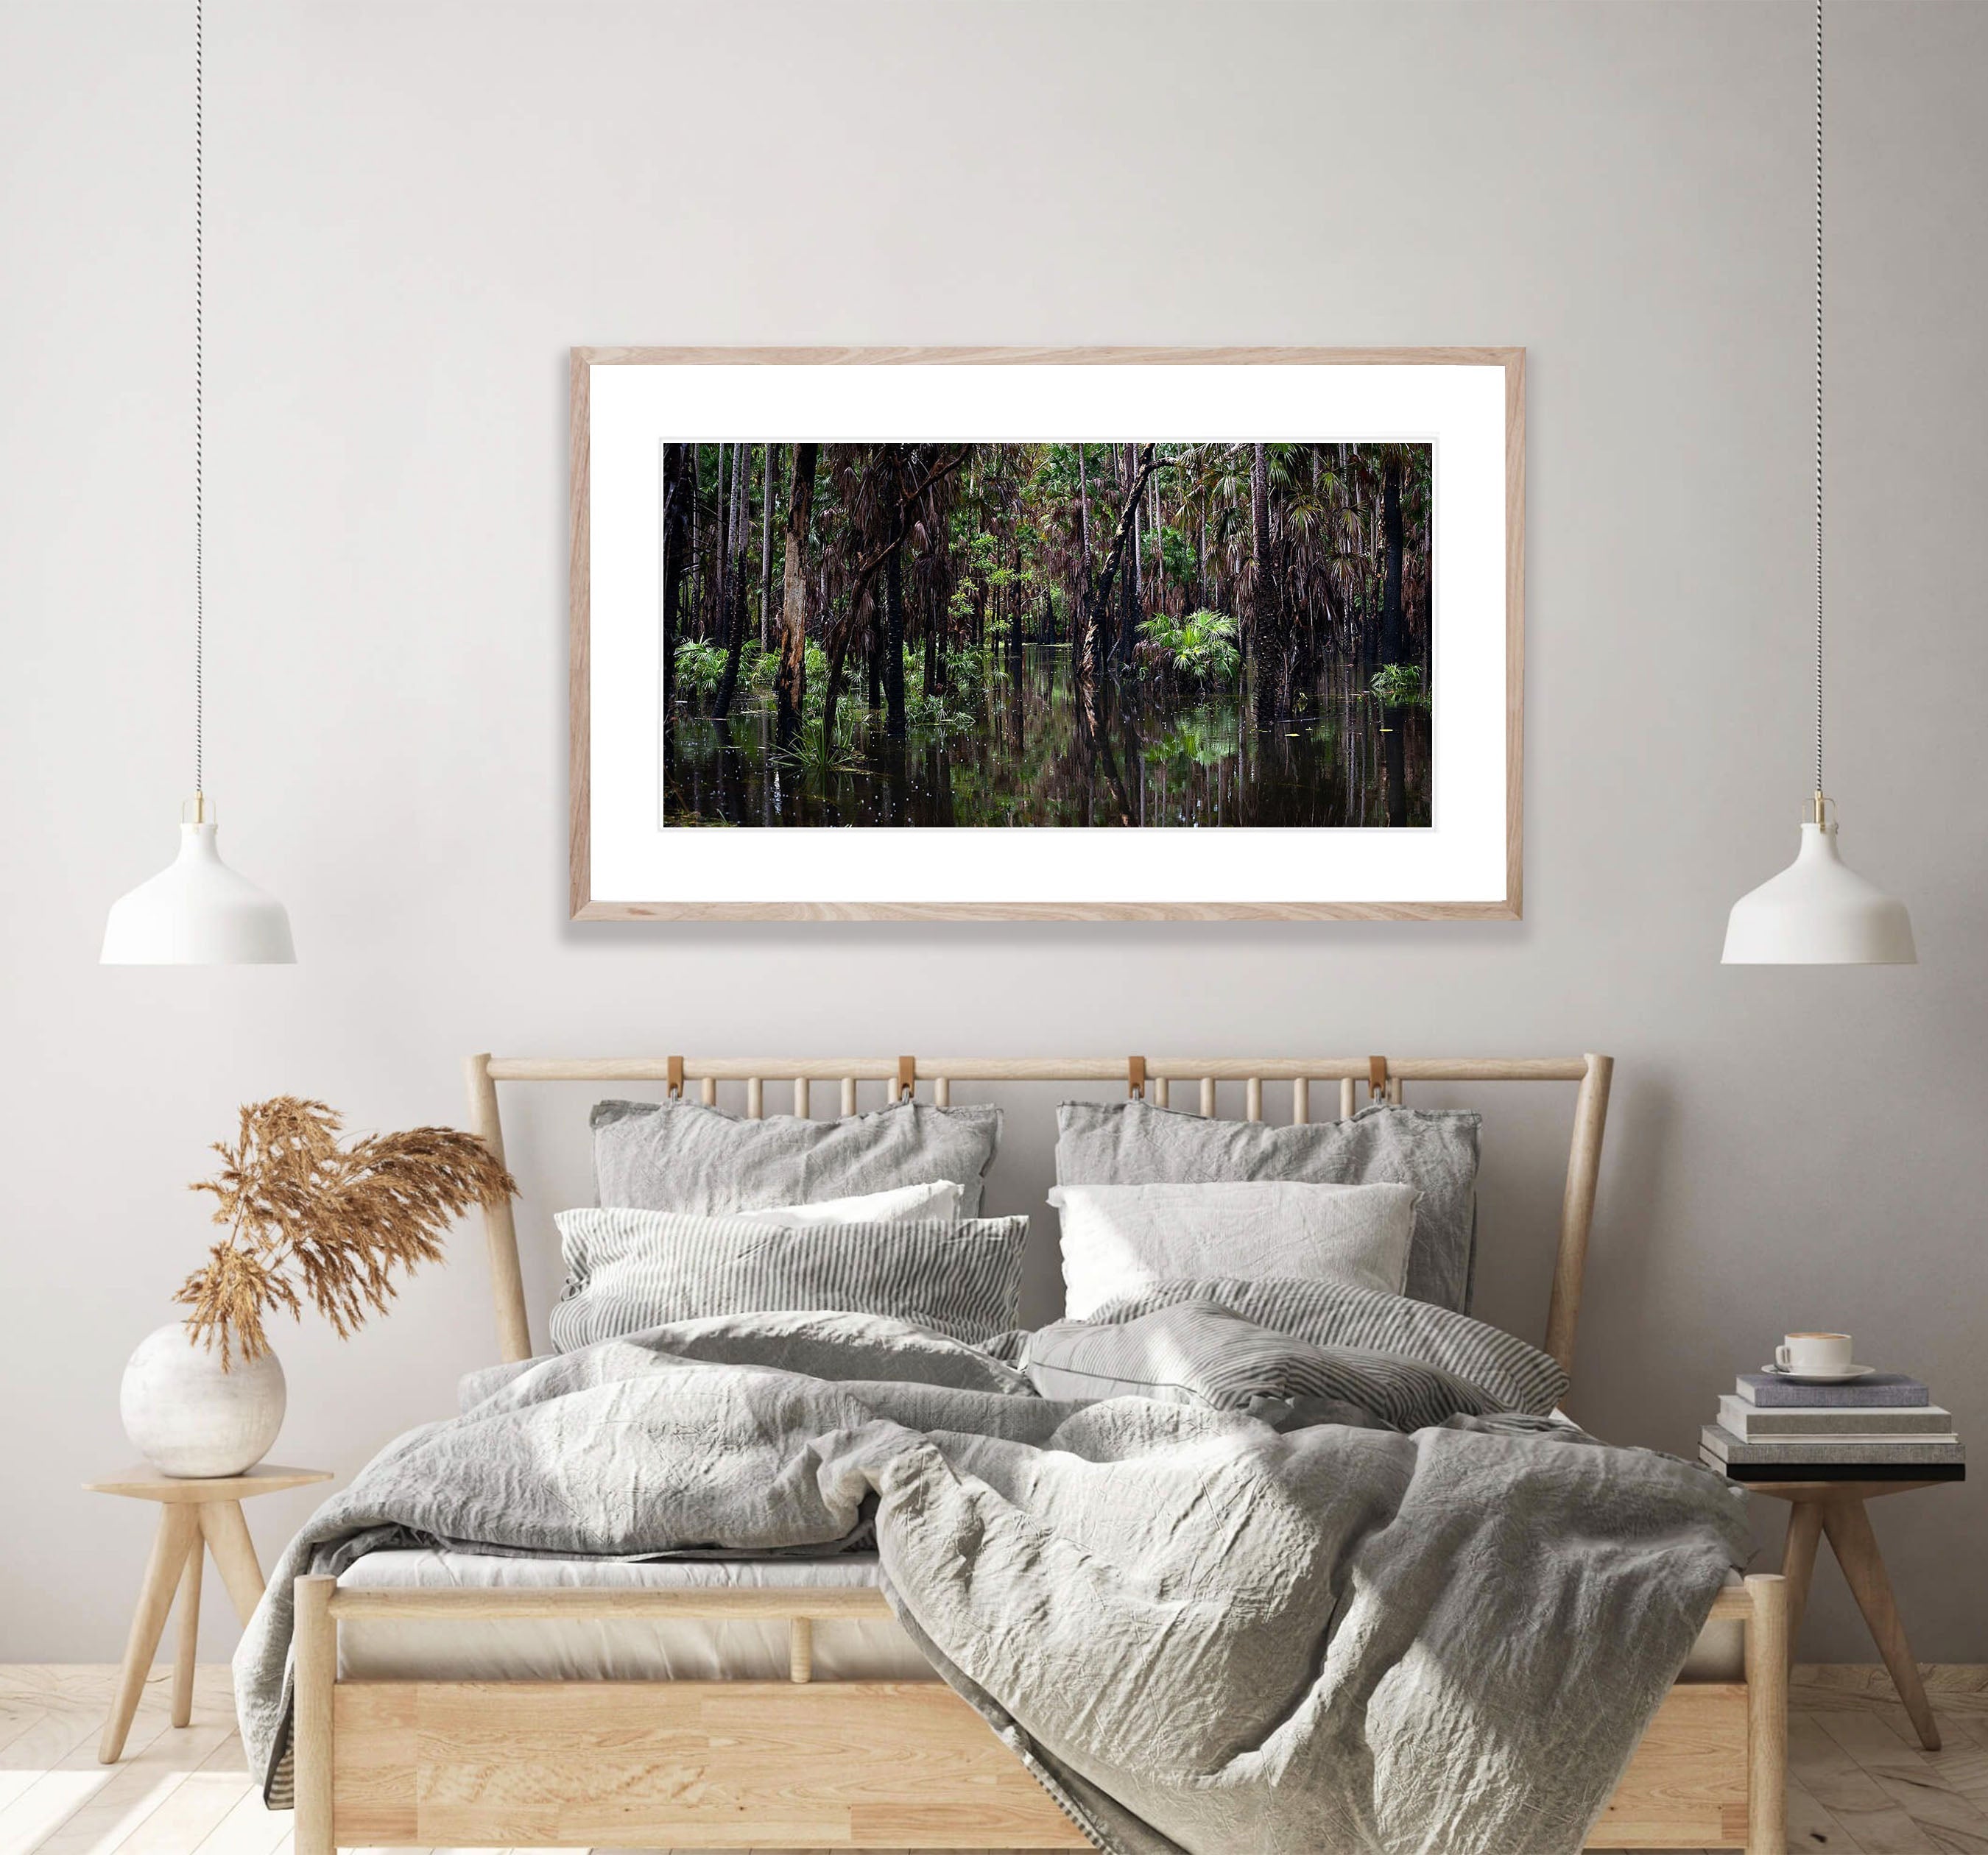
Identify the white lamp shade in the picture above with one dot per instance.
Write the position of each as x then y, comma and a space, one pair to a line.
1819, 912
198, 912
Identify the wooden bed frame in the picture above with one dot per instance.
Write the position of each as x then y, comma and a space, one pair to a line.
860, 1764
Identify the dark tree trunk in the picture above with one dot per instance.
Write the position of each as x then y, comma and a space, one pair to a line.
935, 676
790, 684
676, 540
860, 599
894, 641
1093, 621
1128, 594
1266, 640
722, 552
839, 638
738, 529
1016, 598
1083, 515
1392, 718
1391, 585
1135, 600
769, 475
690, 520
676, 535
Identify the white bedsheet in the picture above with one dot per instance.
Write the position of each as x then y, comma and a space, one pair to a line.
628, 1649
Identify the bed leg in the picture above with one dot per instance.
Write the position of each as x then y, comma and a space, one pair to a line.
1767, 1716
316, 1669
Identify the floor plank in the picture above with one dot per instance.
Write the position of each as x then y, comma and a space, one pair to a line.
47, 1680
250, 1830
1874, 1819
140, 1786
37, 1738
1907, 1773
53, 1795
1812, 1828
1963, 1686
196, 1808
1963, 1760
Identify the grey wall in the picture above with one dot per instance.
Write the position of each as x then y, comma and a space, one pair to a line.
414, 208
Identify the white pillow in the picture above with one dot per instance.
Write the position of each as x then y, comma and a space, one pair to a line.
936, 1202
1117, 1238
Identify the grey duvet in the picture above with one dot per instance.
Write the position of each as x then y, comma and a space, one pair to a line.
1199, 1631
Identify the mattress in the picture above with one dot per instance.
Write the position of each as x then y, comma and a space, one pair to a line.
625, 1649
619, 1648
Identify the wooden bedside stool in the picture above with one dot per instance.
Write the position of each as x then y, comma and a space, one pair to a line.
195, 1518
1834, 1509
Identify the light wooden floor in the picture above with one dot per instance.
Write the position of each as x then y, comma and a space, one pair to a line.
1860, 1786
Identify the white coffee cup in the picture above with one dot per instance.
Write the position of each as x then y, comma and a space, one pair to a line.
1815, 1352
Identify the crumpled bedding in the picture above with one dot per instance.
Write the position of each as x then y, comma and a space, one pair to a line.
1200, 1632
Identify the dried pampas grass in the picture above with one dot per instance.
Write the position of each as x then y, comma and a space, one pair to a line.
309, 1218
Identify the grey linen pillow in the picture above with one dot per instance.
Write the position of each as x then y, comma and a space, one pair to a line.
1134, 1142
629, 1270
1512, 1375
682, 1156
1197, 1352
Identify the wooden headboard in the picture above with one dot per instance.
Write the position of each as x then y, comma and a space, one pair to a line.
1143, 1075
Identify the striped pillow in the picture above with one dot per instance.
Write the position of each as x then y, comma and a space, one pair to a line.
1515, 1376
1195, 1352
626, 1270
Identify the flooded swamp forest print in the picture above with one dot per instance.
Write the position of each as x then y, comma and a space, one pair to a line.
1098, 634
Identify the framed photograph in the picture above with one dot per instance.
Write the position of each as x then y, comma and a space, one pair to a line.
1078, 634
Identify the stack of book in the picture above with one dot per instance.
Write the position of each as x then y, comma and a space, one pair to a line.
1881, 1427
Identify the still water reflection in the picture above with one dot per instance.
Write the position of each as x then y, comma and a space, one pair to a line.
1167, 757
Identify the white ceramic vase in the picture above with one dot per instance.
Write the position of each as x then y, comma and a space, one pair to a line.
188, 1417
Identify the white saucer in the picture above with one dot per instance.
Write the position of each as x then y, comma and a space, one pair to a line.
1819, 1378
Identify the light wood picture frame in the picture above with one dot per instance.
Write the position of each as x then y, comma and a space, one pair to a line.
720, 432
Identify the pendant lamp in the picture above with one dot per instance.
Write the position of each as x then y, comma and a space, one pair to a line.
1819, 911
197, 911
